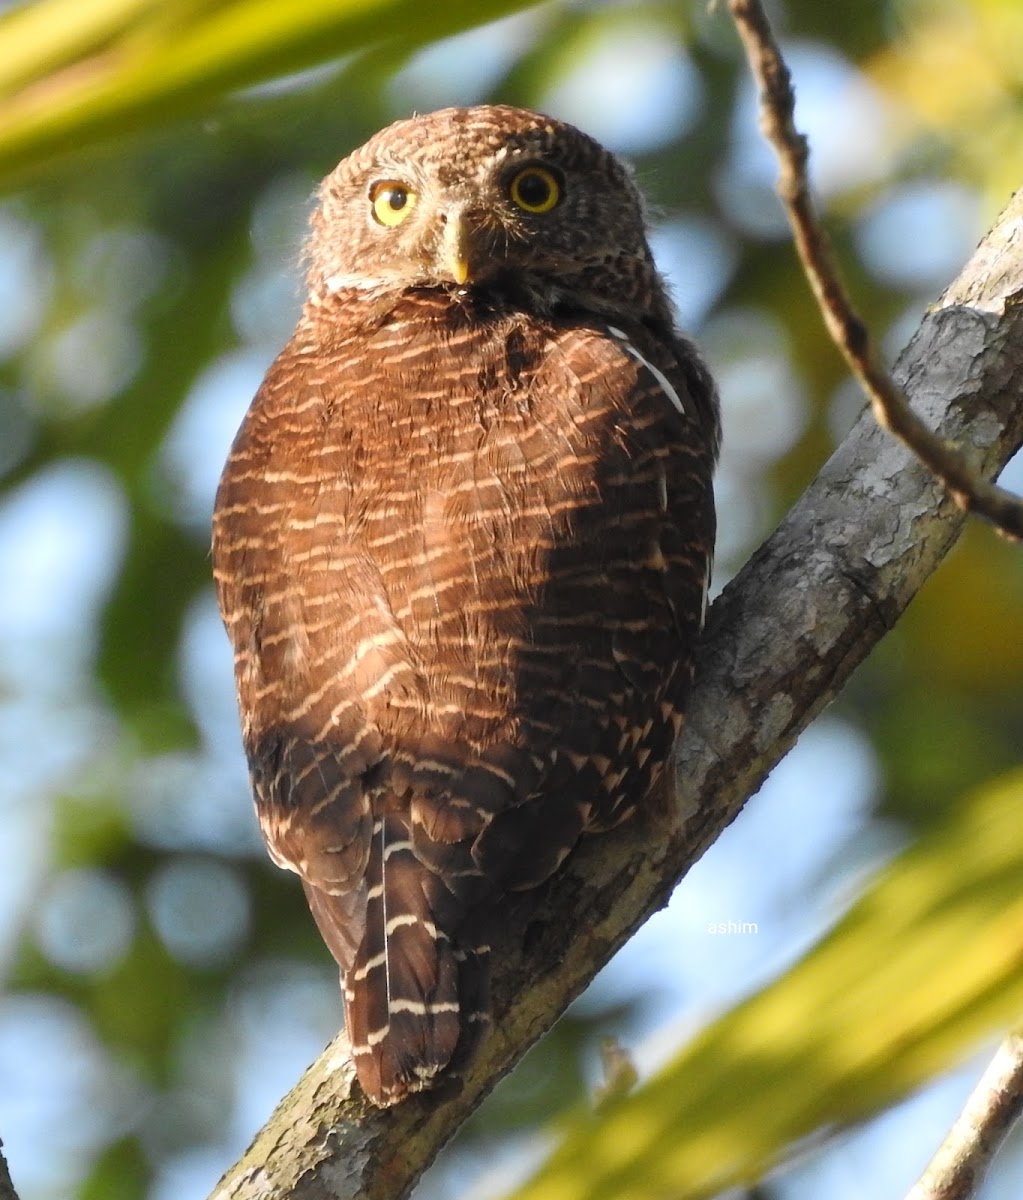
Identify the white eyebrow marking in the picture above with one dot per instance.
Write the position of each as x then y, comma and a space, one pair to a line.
656, 372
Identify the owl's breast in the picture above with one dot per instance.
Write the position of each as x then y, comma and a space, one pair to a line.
457, 518
511, 509
459, 488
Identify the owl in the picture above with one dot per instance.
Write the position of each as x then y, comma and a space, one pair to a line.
462, 546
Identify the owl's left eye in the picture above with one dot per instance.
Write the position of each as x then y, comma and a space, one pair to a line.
535, 189
392, 201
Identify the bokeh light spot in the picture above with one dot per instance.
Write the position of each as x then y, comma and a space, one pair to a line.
200, 909
86, 921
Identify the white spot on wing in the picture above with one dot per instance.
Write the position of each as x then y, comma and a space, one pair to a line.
656, 372
662, 488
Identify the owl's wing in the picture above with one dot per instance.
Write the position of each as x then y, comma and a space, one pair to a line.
276, 548
320, 660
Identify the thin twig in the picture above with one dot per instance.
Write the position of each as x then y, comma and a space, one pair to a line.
890, 406
996, 1103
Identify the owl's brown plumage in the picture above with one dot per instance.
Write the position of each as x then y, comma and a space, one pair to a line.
461, 546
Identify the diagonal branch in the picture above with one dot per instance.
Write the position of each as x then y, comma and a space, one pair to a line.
835, 577
967, 486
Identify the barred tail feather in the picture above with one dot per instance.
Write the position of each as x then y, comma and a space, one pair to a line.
407, 988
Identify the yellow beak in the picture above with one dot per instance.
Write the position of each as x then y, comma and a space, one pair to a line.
459, 270
453, 258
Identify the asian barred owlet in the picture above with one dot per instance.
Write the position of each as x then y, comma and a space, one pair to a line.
462, 546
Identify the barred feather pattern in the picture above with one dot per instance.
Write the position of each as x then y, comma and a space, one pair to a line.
461, 546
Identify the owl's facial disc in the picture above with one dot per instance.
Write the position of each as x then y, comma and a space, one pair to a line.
450, 255
466, 246
465, 227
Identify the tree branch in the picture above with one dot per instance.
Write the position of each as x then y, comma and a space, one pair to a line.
969, 489
834, 577
957, 1170
7, 1191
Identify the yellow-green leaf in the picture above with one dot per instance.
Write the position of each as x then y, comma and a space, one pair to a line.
923, 966
73, 72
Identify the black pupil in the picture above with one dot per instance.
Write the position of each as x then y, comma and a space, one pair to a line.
534, 190
397, 198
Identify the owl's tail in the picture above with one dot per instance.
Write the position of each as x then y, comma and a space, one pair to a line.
416, 1002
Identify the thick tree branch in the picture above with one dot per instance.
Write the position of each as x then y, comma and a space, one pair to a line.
958, 1169
946, 459
781, 641
7, 1191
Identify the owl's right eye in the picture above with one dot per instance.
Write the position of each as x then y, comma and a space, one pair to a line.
392, 201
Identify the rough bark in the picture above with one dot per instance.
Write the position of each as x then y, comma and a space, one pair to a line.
781, 641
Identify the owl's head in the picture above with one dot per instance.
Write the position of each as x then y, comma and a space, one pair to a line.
490, 198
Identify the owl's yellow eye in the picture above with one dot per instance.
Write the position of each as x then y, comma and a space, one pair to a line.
535, 189
392, 201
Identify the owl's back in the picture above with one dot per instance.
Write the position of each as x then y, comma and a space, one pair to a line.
462, 546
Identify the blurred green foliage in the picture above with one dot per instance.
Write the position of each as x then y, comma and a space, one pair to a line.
74, 72
124, 120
